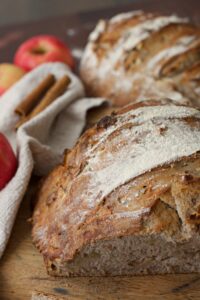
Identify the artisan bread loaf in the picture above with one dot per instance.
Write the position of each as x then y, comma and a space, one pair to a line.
126, 200
137, 55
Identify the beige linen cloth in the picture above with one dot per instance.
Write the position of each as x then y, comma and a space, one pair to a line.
40, 142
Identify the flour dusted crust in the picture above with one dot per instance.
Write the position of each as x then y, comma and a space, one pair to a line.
137, 55
131, 181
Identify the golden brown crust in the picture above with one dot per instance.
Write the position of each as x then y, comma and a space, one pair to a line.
164, 199
126, 63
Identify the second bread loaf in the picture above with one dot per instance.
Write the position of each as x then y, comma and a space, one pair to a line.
137, 55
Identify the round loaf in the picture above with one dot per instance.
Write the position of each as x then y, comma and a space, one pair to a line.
136, 56
132, 178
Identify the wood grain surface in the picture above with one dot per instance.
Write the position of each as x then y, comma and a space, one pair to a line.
21, 268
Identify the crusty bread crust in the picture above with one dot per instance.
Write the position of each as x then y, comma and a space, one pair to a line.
76, 215
136, 56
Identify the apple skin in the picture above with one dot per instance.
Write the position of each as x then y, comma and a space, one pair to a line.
41, 49
8, 162
9, 74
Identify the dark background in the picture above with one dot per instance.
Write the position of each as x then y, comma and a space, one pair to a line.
15, 11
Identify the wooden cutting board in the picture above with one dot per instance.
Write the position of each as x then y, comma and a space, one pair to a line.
21, 268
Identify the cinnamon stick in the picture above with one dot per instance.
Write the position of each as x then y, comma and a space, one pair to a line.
54, 92
27, 105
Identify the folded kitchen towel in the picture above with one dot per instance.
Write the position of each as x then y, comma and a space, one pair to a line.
40, 142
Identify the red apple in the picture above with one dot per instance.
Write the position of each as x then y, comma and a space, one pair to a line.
9, 74
8, 162
41, 49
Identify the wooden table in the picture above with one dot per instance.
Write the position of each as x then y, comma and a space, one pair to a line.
21, 268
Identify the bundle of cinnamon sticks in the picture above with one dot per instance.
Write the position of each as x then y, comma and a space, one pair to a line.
42, 96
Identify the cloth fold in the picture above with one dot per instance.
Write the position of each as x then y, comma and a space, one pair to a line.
40, 142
